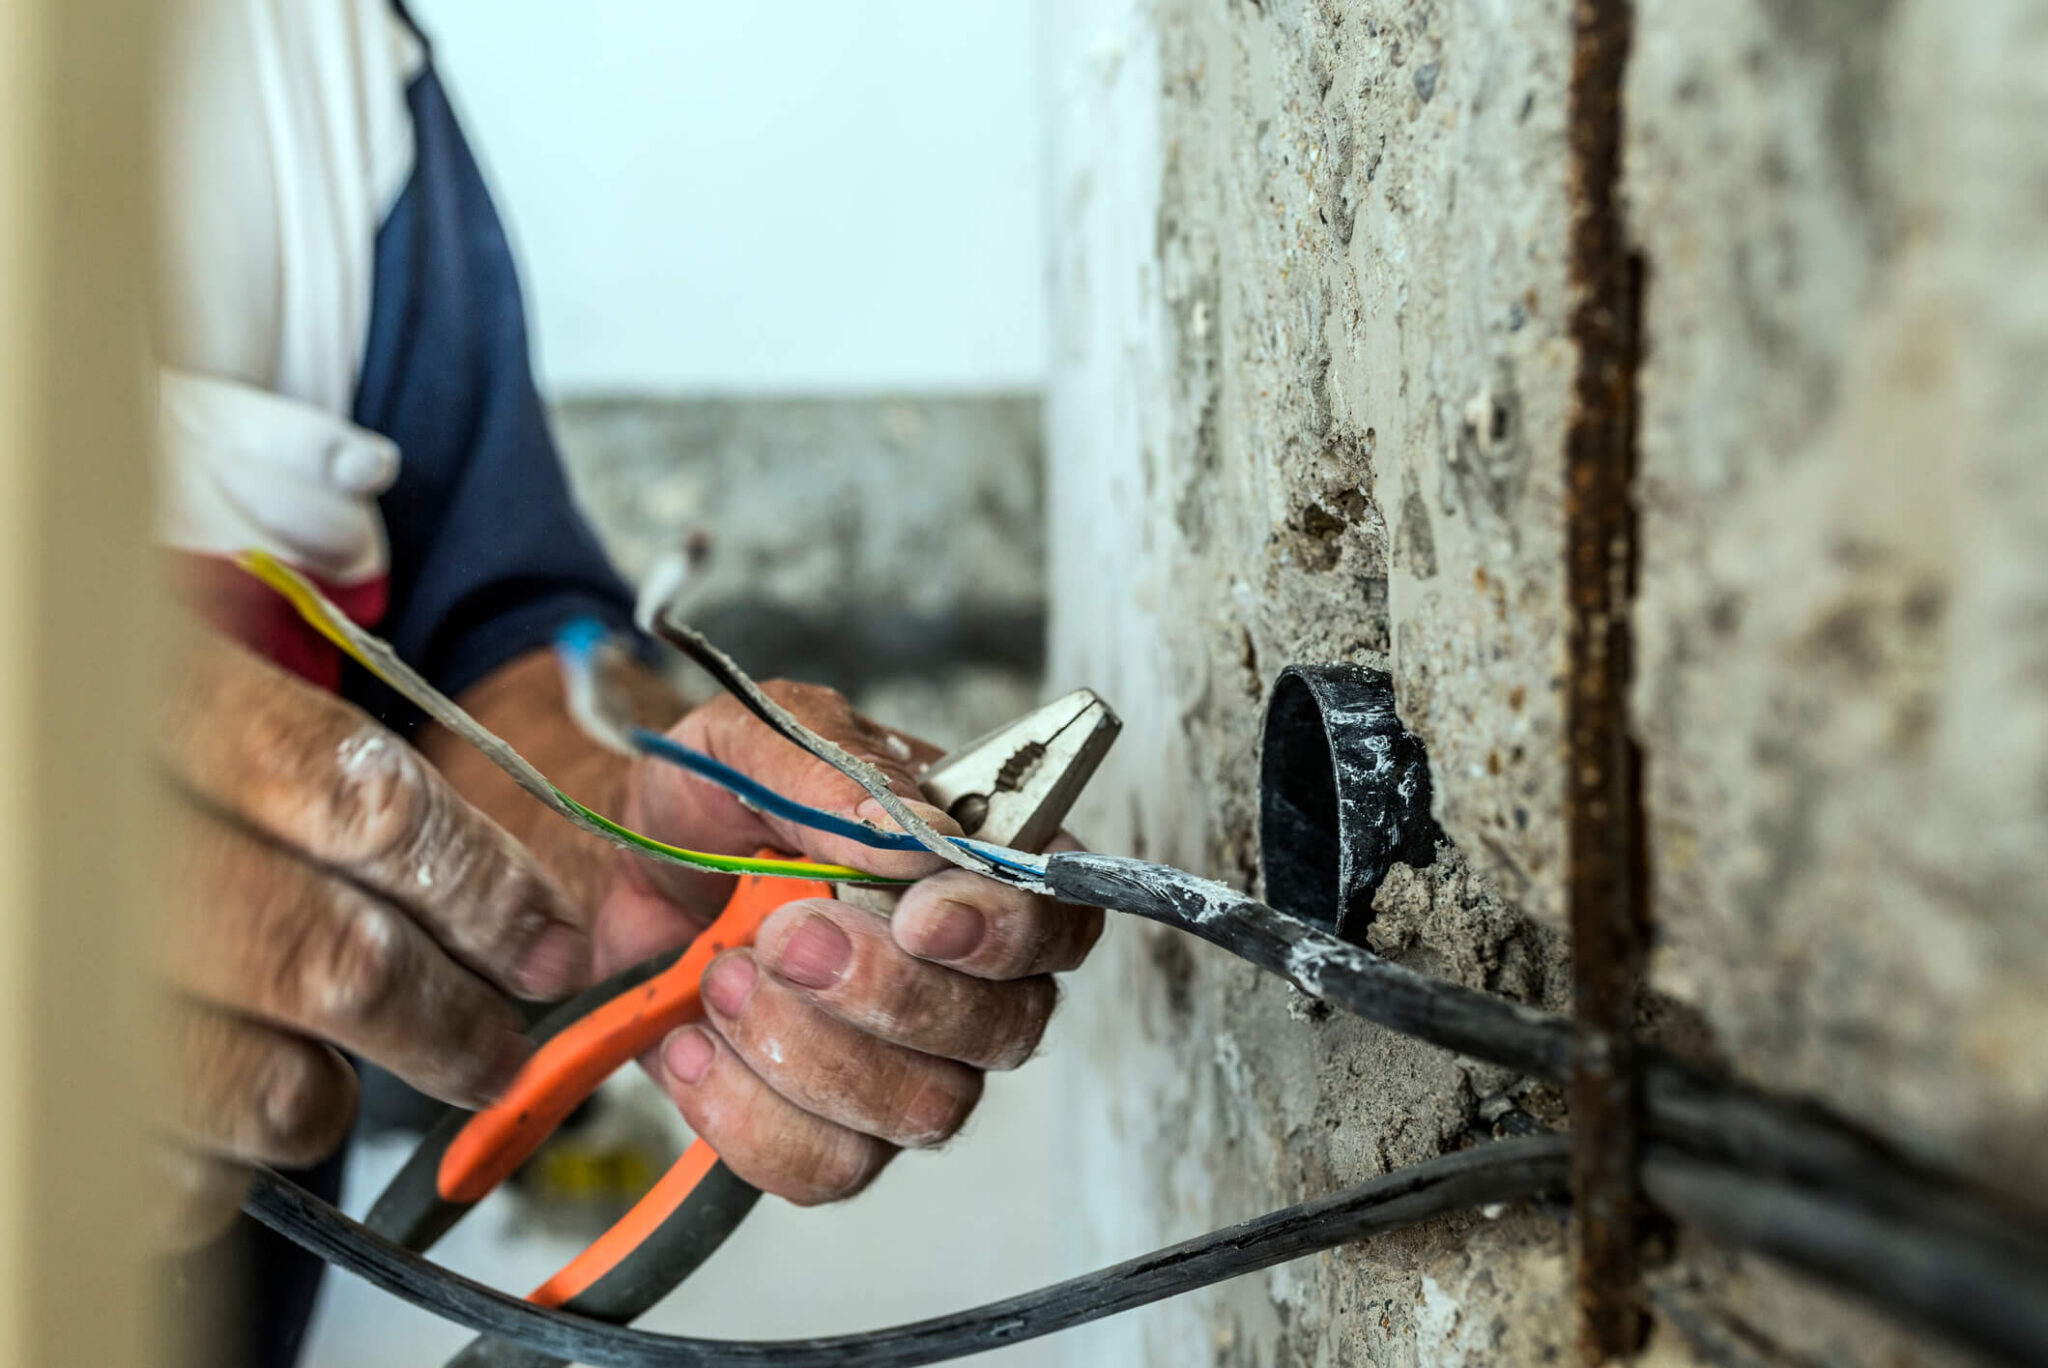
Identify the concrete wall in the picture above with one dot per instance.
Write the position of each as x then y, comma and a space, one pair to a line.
1308, 399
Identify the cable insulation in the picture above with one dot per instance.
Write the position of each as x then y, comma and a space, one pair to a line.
377, 656
1501, 1172
601, 717
734, 681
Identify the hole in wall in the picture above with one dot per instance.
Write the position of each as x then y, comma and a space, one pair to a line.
1344, 795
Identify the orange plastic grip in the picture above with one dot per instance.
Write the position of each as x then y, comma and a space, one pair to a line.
632, 1230
569, 1067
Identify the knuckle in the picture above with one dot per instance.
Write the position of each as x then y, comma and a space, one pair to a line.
713, 718
379, 797
1034, 942
283, 713
1030, 1014
938, 1106
898, 997
473, 1068
1061, 938
797, 695
353, 971
300, 1116
839, 1170
510, 910
706, 716
1087, 923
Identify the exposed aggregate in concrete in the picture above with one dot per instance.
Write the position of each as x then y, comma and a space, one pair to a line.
1310, 293
1319, 346
1844, 613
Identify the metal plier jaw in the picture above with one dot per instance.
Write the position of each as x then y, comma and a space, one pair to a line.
1015, 785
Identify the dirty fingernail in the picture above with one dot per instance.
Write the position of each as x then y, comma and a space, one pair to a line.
688, 1055
729, 984
953, 932
816, 955
555, 962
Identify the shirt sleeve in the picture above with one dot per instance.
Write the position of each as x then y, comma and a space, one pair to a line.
343, 349
489, 554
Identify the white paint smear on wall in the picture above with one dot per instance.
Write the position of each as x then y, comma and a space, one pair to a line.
813, 196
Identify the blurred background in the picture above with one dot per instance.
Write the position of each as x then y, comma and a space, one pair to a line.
786, 281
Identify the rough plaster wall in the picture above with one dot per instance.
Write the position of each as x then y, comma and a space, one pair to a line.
1845, 627
1844, 614
931, 504
1308, 385
1307, 403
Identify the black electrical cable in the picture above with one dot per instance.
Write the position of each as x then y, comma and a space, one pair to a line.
1758, 1172
1977, 1287
1754, 1145
1710, 1117
1471, 1023
1981, 1292
1502, 1172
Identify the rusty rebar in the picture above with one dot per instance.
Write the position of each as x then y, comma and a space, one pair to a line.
1604, 858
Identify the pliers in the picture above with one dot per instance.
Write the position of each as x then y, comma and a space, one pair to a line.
1012, 787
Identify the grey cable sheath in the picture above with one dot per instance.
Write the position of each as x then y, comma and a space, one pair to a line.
1506, 1171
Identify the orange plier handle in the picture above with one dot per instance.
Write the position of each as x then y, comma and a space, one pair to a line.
579, 1044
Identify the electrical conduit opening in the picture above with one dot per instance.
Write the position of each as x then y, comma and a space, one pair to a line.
1344, 794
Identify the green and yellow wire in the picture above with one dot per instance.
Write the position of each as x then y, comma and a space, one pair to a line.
375, 655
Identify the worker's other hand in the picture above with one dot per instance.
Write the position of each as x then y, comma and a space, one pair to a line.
331, 892
841, 1036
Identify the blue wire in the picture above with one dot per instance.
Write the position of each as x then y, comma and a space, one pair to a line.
776, 805
765, 798
579, 638
576, 645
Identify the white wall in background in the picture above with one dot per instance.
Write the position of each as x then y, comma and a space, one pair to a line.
812, 196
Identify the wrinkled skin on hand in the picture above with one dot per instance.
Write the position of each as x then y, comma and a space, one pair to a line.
842, 1036
329, 889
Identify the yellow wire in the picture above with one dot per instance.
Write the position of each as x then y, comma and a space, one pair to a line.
325, 618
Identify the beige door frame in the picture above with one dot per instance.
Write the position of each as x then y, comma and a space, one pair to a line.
75, 657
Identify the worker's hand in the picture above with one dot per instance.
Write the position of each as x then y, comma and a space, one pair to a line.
331, 892
842, 1035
